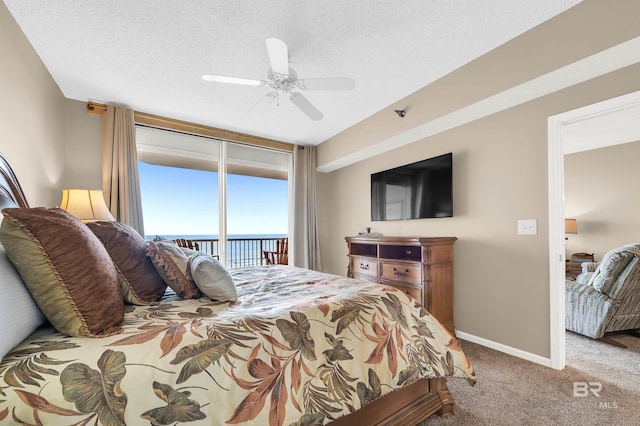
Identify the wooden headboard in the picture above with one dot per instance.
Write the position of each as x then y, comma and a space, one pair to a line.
11, 194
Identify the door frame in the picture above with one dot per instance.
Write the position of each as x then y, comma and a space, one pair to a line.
558, 126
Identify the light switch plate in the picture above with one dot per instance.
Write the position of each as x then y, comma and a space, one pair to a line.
527, 226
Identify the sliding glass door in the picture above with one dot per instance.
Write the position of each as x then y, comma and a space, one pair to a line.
230, 199
257, 202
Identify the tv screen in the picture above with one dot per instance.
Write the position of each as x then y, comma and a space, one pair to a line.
414, 191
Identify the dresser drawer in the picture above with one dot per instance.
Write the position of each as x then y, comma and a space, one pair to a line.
415, 292
364, 266
402, 272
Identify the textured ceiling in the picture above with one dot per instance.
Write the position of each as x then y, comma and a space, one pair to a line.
149, 54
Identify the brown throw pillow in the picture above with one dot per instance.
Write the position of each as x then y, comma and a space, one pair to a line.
140, 284
173, 266
66, 269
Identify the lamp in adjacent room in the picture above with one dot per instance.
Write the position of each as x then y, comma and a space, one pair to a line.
86, 204
570, 227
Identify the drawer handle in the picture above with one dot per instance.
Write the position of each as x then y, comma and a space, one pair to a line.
400, 273
363, 266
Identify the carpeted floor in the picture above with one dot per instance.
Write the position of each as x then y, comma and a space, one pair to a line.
512, 391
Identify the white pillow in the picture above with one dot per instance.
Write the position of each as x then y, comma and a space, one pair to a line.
19, 314
212, 278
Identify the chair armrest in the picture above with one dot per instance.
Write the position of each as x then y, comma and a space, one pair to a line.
586, 309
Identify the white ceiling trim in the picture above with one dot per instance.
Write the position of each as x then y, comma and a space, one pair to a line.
606, 61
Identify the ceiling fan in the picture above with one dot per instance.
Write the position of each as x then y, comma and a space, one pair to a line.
284, 81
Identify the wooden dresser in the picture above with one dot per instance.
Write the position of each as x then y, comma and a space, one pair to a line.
421, 267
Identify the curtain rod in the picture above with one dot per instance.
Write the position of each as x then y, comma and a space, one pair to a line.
95, 108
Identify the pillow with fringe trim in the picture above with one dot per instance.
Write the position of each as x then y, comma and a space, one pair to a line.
66, 269
173, 266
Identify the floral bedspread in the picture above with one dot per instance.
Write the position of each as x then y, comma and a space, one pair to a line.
298, 347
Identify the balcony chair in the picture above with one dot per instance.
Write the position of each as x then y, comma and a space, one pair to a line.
280, 256
181, 242
605, 298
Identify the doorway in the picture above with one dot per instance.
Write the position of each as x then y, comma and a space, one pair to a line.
568, 133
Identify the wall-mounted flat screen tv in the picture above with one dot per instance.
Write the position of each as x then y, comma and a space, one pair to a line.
419, 190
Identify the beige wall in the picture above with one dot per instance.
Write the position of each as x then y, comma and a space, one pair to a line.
46, 137
32, 116
500, 172
601, 192
83, 148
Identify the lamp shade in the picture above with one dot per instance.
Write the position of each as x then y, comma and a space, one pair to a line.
570, 226
86, 204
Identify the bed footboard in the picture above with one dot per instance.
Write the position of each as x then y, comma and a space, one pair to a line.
407, 406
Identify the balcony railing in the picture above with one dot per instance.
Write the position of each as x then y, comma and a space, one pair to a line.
241, 252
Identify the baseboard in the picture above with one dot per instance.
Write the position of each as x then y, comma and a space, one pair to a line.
504, 348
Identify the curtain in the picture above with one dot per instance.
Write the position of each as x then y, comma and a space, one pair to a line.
120, 180
306, 241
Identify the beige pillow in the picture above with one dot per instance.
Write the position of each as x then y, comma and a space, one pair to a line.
66, 269
173, 266
212, 278
140, 283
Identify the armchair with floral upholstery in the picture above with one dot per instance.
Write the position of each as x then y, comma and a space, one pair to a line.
606, 296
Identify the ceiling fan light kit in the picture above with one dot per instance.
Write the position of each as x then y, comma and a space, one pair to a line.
284, 81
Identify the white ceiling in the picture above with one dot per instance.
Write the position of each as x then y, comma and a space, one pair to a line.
149, 54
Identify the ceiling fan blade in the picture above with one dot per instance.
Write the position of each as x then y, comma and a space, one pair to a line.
305, 106
278, 56
232, 80
339, 83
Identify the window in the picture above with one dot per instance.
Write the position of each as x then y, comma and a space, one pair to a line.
186, 195
178, 202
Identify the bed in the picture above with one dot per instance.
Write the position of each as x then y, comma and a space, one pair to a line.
291, 346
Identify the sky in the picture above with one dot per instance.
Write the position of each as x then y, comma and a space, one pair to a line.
178, 201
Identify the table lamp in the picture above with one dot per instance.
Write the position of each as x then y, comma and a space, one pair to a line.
86, 204
570, 227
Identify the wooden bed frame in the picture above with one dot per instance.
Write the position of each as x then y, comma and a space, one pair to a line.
407, 406
11, 194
